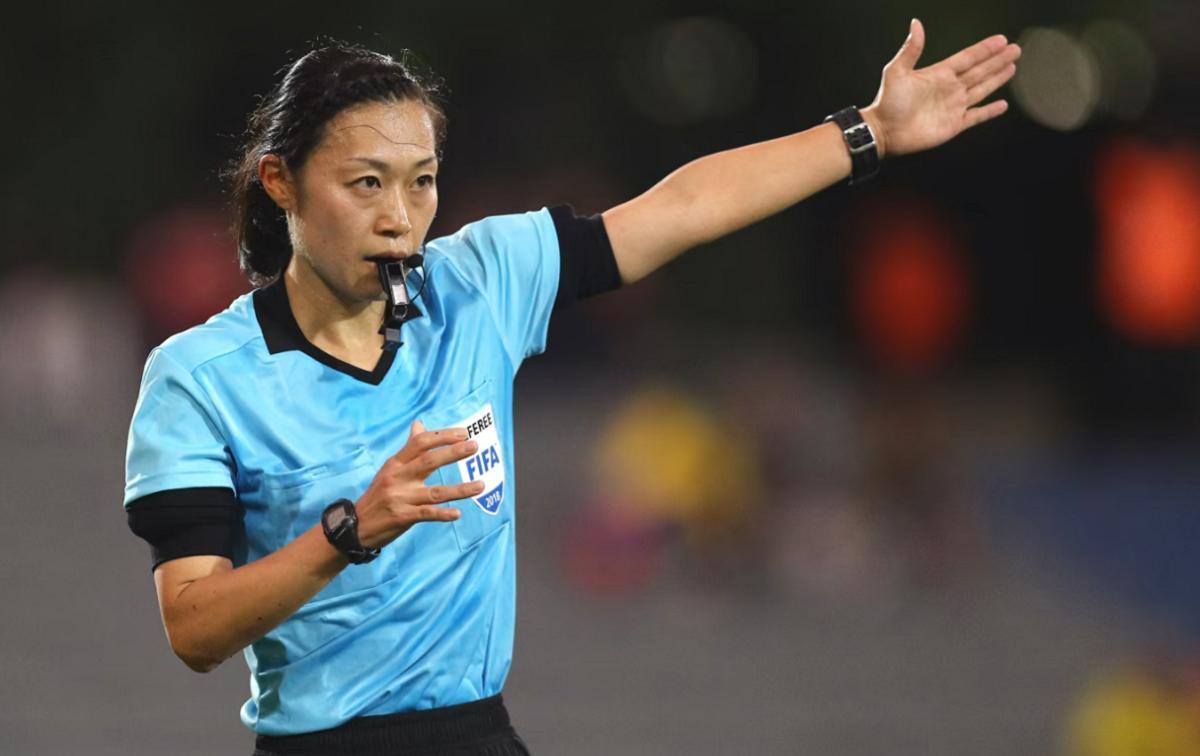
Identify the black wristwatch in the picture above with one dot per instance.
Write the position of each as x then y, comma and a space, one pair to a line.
341, 529
864, 156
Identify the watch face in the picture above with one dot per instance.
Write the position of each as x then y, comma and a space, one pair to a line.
334, 517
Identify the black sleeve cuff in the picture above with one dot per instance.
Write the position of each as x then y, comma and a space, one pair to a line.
186, 522
587, 266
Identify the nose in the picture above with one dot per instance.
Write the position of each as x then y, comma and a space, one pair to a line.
393, 220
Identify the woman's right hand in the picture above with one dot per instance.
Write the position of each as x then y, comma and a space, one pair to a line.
398, 498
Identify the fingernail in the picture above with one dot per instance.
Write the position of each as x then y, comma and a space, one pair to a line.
472, 445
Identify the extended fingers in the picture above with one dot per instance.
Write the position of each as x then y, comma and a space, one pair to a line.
429, 511
965, 60
990, 66
976, 116
984, 88
423, 441
431, 460
439, 494
435, 514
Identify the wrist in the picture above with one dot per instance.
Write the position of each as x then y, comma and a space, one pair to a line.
332, 560
870, 114
376, 527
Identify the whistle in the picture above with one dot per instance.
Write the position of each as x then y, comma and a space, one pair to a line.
391, 277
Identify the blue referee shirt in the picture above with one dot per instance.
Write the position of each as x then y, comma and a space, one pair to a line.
245, 403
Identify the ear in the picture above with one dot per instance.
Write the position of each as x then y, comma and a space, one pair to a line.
277, 180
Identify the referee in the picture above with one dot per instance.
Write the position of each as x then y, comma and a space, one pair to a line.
281, 453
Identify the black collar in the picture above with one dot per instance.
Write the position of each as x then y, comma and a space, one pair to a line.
282, 334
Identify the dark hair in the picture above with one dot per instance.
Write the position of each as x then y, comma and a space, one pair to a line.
290, 121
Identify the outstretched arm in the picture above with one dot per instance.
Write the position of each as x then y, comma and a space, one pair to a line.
915, 109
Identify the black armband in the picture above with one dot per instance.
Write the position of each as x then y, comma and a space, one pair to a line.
184, 522
587, 266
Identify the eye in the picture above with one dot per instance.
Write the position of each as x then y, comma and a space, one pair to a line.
371, 182
426, 181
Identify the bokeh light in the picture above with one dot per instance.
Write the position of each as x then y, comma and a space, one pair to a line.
690, 70
910, 291
1148, 207
181, 269
1058, 81
1127, 67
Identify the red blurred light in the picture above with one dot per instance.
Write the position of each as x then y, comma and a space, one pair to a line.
1148, 202
910, 291
181, 269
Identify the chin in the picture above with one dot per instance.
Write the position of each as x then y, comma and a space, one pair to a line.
358, 292
372, 292
368, 289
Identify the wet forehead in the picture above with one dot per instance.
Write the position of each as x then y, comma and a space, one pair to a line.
388, 131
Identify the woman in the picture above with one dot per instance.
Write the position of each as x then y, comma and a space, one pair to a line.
281, 453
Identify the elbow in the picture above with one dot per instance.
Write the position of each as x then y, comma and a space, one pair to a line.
197, 635
200, 664
196, 660
191, 653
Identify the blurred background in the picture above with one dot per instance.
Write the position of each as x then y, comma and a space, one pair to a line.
909, 468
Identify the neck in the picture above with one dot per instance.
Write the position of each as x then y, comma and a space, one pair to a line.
347, 329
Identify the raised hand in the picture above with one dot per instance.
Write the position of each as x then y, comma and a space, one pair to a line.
398, 498
916, 109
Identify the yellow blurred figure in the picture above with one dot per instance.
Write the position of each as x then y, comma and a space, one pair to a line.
673, 460
1135, 713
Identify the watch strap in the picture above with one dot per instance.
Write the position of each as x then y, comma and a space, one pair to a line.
860, 140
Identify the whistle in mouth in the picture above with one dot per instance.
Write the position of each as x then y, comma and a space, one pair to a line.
391, 278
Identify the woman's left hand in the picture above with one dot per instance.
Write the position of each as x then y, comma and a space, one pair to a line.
916, 109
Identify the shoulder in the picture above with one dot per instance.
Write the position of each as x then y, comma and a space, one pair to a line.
498, 225
491, 232
228, 331
494, 251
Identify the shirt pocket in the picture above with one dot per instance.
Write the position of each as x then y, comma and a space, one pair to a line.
487, 512
293, 501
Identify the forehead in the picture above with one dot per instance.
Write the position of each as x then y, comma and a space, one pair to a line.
389, 131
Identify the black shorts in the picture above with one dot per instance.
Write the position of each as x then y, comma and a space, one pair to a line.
479, 728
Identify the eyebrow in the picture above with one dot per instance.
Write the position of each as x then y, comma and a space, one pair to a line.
382, 167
